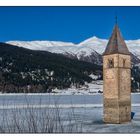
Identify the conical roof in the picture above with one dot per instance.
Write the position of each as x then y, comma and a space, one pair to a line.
116, 43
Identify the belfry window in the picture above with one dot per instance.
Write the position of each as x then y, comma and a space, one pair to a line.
124, 62
110, 63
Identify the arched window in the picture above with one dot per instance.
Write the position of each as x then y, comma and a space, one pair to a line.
124, 60
110, 63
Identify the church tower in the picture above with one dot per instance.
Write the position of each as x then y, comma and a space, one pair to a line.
117, 80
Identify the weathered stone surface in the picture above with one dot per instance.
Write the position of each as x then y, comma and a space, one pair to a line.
117, 87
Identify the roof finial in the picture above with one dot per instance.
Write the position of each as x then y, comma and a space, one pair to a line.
116, 20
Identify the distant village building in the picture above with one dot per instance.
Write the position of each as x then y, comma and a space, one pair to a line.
117, 82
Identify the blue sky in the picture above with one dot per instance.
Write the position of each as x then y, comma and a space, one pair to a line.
72, 24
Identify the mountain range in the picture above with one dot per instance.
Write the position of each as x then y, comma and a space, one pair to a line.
40, 66
89, 50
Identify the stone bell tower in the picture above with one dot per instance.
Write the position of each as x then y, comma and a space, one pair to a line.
117, 80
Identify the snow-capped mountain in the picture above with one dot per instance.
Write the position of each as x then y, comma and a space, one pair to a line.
51, 46
86, 47
95, 43
79, 51
88, 50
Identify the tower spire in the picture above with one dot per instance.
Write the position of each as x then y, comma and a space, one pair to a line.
116, 44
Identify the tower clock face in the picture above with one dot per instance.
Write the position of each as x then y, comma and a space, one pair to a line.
109, 74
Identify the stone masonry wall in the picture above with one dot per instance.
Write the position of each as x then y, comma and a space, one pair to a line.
117, 89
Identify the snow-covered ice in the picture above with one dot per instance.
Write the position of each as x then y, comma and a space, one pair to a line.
87, 110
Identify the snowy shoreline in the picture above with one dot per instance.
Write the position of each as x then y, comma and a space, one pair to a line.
55, 94
94, 88
47, 94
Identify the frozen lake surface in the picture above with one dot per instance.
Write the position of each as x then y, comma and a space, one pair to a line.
49, 99
84, 110
46, 99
